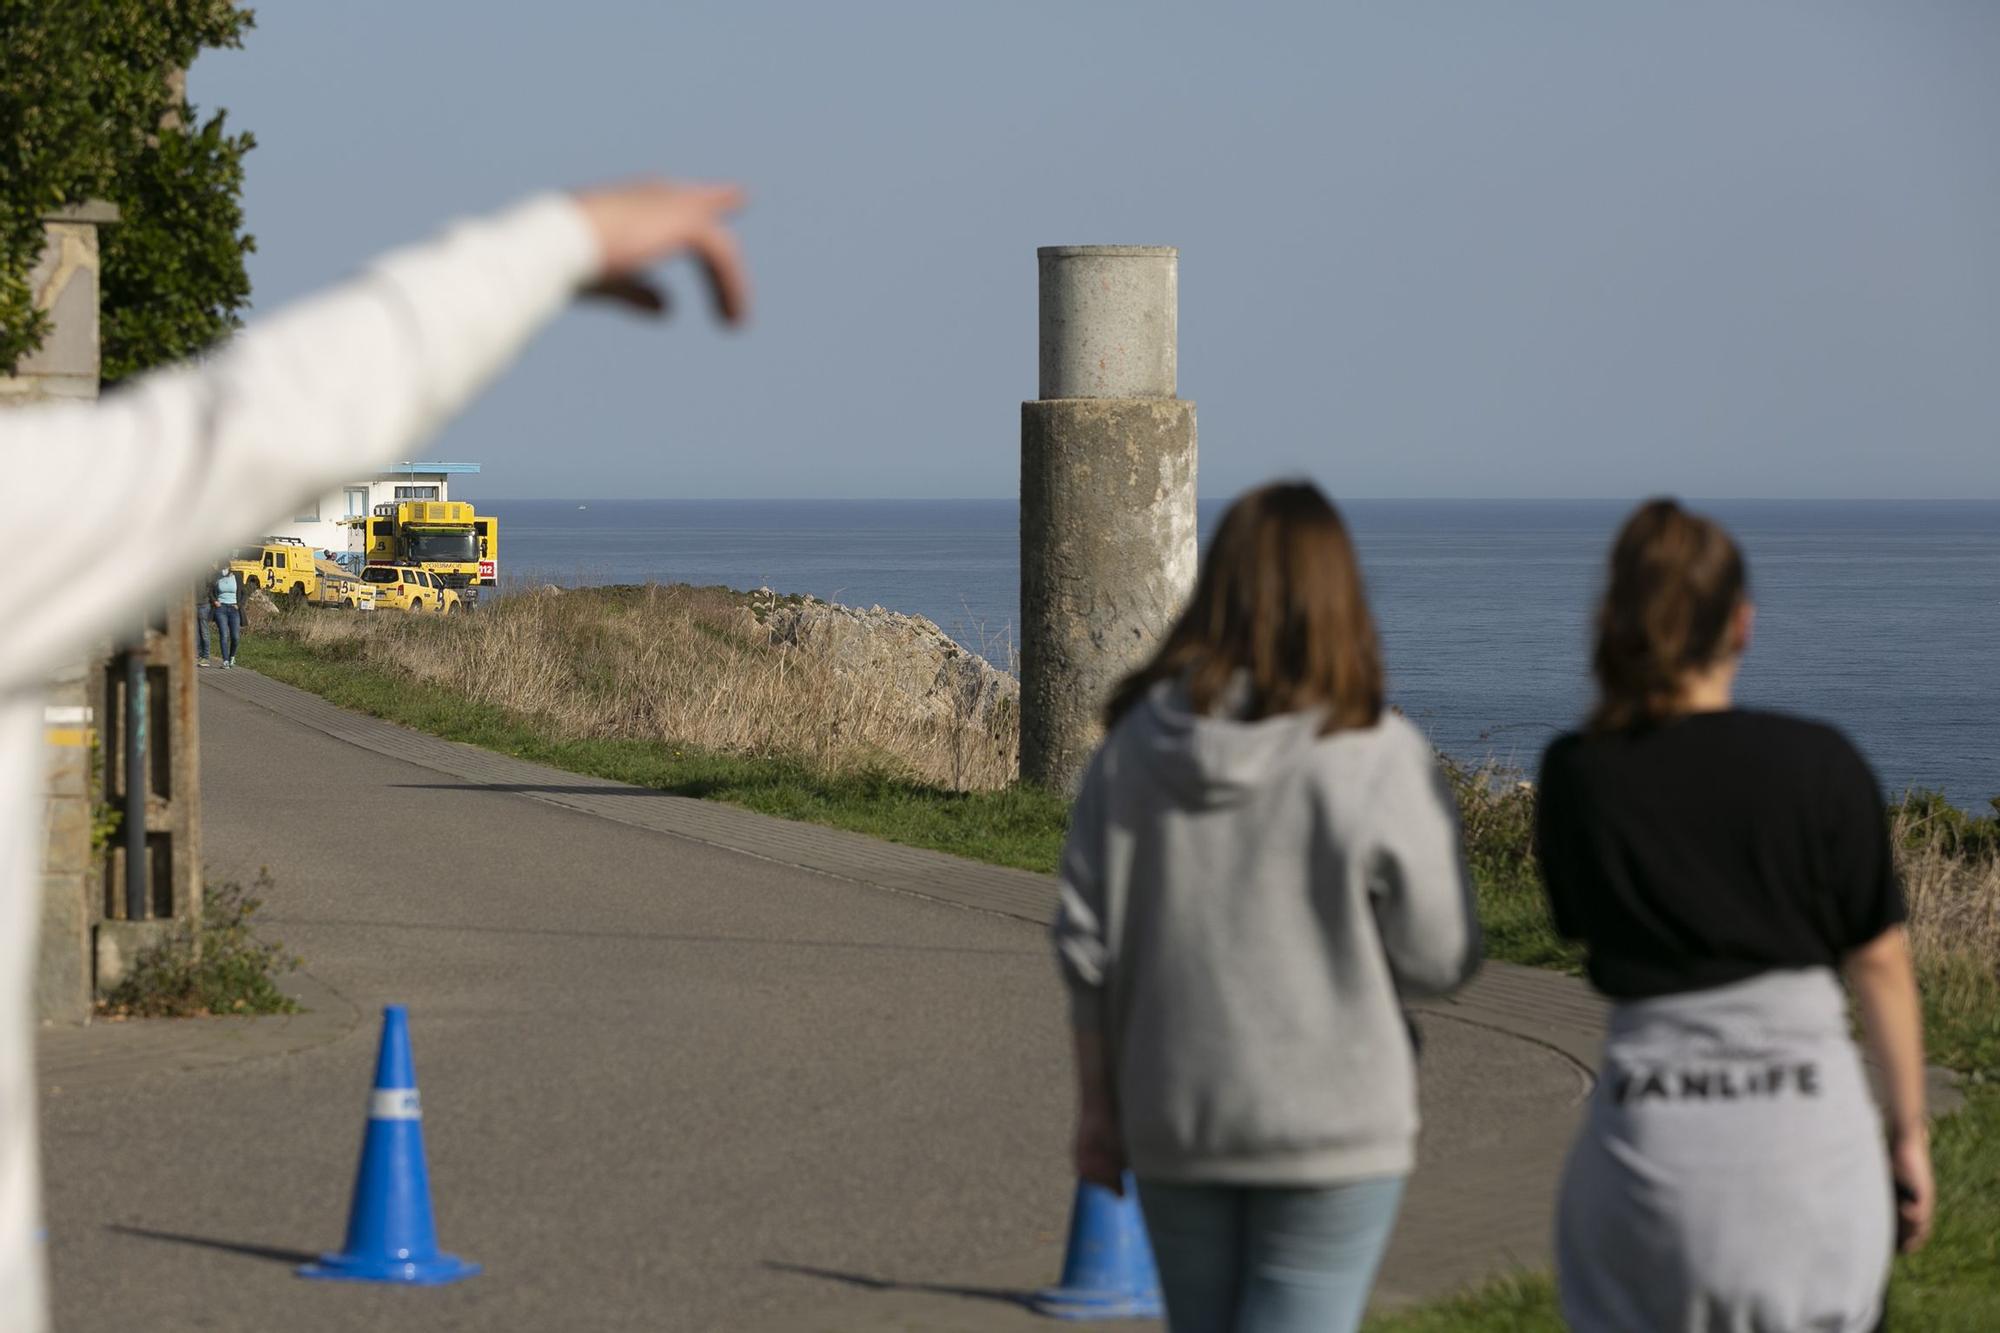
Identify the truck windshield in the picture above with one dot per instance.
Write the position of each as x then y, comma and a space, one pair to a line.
428, 545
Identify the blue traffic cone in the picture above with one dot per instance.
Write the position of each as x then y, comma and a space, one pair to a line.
390, 1234
1108, 1270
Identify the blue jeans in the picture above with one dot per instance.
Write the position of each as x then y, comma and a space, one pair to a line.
1237, 1259
228, 629
201, 632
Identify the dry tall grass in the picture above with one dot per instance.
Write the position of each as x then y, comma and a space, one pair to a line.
1953, 891
1951, 878
690, 666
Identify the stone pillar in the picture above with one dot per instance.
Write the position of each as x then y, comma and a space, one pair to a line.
1107, 494
64, 282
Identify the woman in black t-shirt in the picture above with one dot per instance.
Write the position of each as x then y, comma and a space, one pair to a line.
1720, 866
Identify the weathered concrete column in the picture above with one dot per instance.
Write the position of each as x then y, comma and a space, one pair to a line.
64, 283
80, 945
1107, 493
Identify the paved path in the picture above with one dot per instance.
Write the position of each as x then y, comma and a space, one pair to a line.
684, 1066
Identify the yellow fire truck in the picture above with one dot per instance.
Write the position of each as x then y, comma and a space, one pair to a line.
461, 549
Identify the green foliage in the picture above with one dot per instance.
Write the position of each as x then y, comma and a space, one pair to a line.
173, 276
1496, 810
218, 967
87, 112
1934, 819
105, 818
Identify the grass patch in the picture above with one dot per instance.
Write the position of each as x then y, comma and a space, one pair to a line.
1518, 1303
1953, 1286
1496, 811
218, 967
1014, 826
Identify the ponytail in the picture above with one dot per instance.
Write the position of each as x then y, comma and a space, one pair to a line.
1676, 581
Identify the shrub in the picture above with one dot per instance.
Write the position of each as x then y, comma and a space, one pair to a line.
217, 967
1496, 811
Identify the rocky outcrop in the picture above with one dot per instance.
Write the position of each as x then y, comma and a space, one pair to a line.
910, 654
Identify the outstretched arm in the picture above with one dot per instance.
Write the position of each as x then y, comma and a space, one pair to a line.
188, 459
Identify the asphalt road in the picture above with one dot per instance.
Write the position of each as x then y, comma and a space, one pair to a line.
665, 1085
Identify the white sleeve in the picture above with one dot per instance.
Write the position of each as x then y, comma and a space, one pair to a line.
114, 507
1417, 877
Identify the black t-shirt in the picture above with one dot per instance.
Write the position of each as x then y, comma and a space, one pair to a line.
1711, 848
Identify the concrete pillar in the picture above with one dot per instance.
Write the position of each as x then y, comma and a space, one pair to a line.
63, 958
83, 705
1107, 494
64, 283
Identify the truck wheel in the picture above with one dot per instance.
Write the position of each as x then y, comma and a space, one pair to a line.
298, 596
250, 582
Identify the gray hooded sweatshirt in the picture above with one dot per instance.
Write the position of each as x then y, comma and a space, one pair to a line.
1243, 905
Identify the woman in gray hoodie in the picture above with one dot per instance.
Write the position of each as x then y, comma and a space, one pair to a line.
1262, 860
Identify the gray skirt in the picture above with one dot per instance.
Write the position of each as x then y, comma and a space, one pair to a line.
1731, 1176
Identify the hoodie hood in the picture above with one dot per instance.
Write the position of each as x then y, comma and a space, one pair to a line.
1218, 759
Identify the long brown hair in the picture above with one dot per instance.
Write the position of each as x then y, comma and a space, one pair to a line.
1280, 600
1676, 581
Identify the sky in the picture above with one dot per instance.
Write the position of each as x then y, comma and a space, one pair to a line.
1427, 249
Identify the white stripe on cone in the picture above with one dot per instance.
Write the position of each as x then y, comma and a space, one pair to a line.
395, 1104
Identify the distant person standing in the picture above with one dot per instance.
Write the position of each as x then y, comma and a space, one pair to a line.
293, 406
1720, 866
204, 615
1262, 860
228, 615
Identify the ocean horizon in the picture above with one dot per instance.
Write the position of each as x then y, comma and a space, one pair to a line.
1880, 616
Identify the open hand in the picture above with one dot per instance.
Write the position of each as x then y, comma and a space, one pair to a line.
1916, 1191
640, 223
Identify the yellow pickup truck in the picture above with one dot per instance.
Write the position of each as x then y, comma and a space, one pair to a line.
410, 588
281, 566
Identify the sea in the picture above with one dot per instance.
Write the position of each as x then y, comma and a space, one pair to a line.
1882, 617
